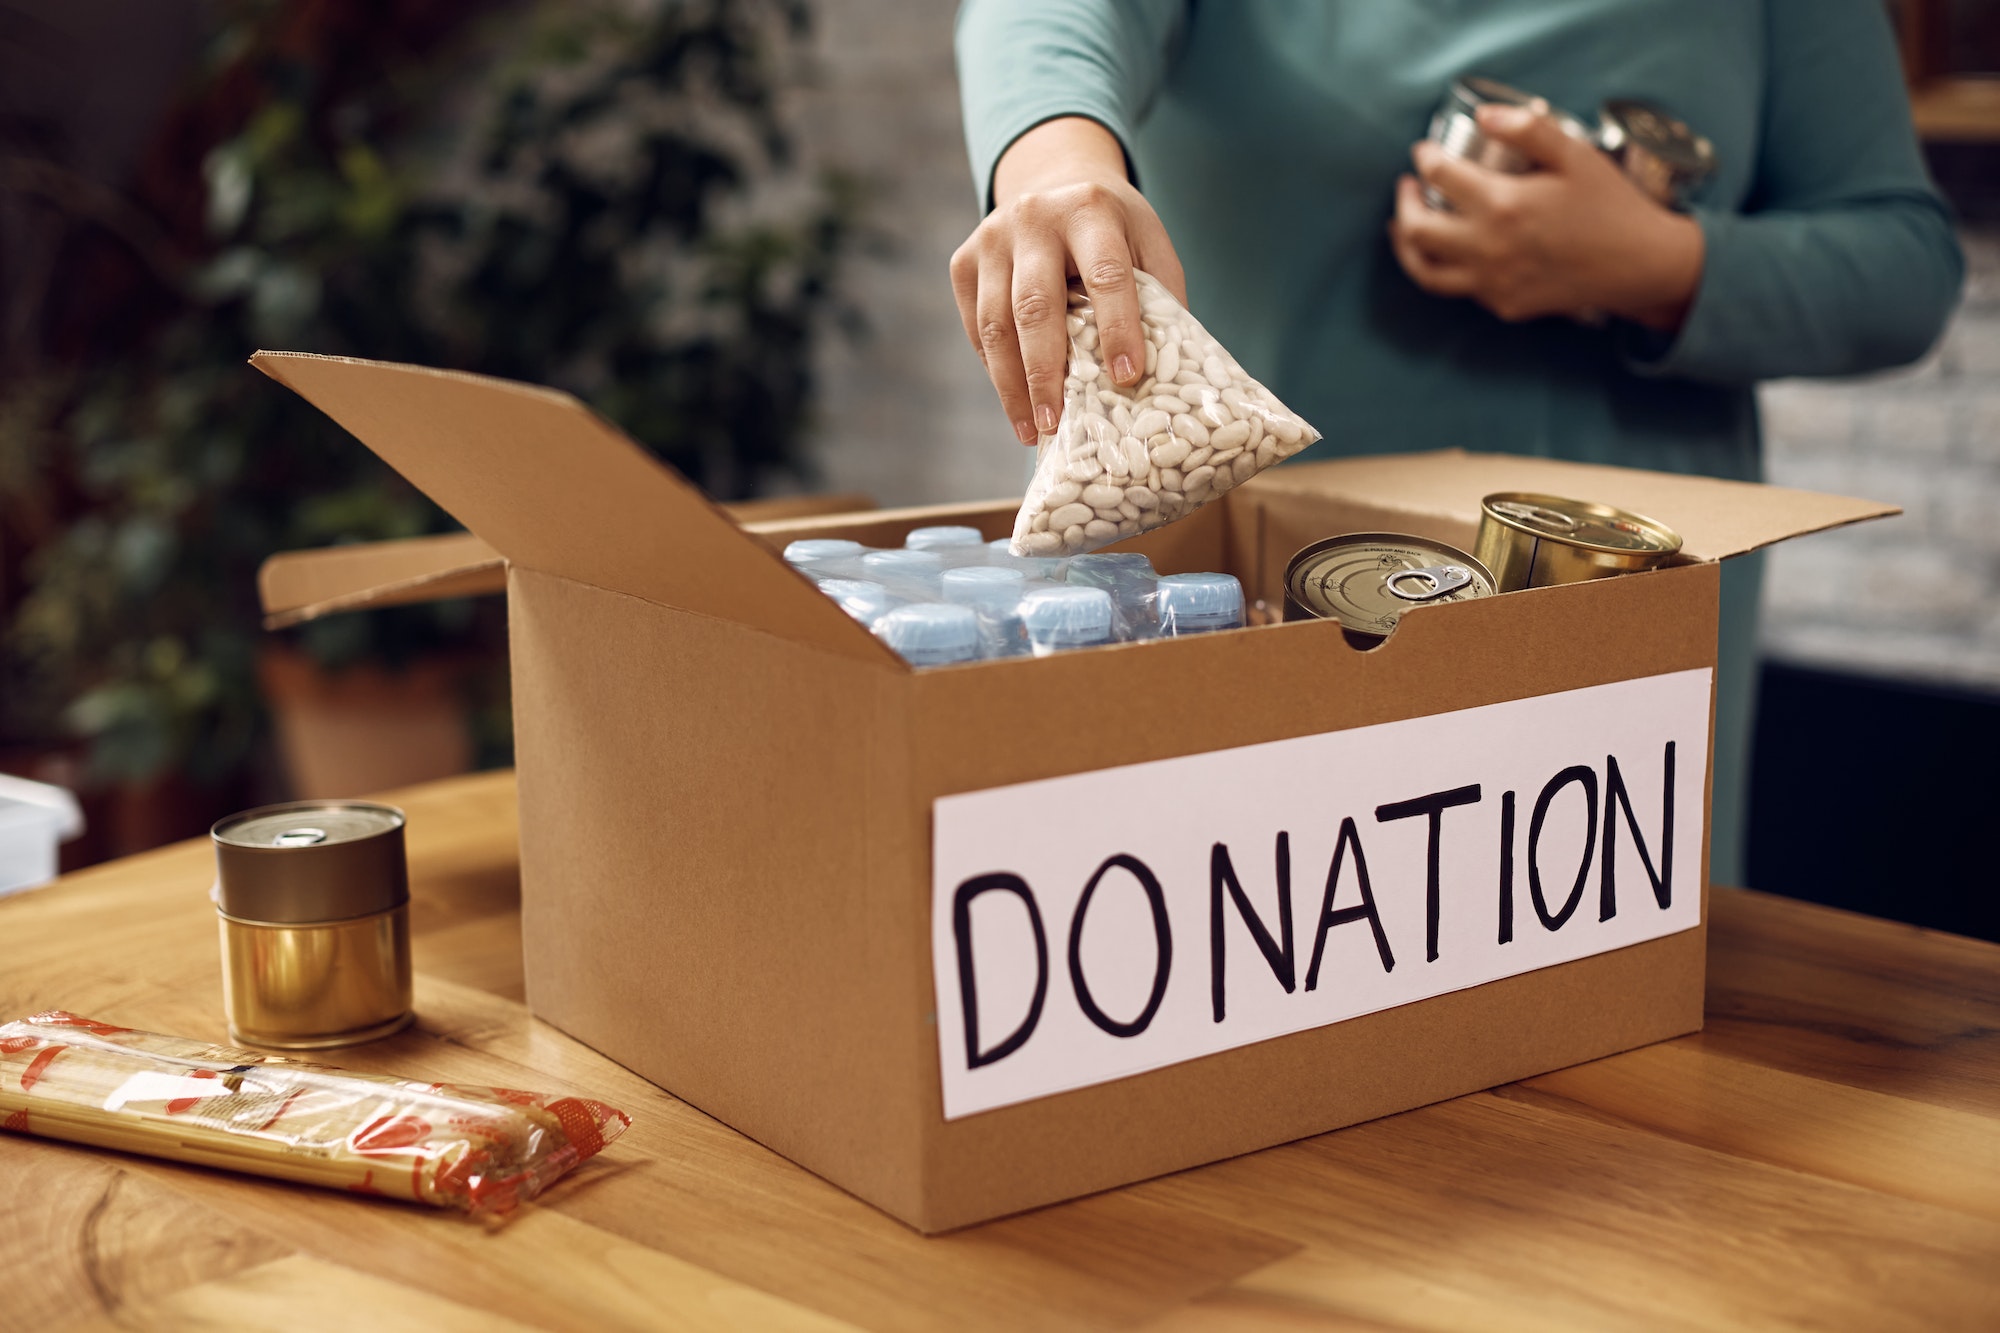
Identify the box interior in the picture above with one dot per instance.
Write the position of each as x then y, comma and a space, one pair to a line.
546, 484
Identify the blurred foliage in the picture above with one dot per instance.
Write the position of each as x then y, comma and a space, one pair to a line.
594, 194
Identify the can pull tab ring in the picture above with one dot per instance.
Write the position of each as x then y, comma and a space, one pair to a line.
1432, 582
1537, 516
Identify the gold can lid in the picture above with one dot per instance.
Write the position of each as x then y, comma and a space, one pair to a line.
310, 861
1367, 580
1583, 523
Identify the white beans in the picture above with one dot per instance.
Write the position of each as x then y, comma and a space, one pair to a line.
1123, 460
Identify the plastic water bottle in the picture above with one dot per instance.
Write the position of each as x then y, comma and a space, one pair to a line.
817, 557
931, 633
994, 594
1048, 568
942, 537
1132, 583
1063, 617
911, 575
867, 602
1199, 603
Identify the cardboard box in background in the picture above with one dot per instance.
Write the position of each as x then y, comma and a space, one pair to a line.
763, 861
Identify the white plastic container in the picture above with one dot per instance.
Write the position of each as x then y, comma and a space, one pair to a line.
35, 819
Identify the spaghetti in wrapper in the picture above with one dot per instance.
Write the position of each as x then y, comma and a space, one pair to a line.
482, 1150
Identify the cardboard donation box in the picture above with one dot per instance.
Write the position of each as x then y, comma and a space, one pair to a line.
973, 939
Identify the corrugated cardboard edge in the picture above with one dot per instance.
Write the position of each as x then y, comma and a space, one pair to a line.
554, 487
1715, 518
296, 586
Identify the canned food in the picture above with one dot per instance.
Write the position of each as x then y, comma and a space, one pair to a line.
313, 903
1455, 128
1367, 580
1660, 154
1534, 541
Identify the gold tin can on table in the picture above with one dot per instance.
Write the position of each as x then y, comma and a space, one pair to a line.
1367, 580
1535, 541
314, 905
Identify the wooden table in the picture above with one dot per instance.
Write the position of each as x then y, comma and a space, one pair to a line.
1826, 1154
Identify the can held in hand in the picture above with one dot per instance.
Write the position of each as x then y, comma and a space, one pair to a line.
1455, 128
1535, 541
1660, 154
1367, 580
314, 905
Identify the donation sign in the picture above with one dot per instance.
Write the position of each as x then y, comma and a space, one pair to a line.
1090, 927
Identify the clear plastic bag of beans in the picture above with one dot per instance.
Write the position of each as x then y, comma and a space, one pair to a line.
1125, 459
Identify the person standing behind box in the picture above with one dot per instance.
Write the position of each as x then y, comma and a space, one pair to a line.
1562, 313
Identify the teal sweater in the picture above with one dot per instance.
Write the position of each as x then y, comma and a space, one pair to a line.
1269, 134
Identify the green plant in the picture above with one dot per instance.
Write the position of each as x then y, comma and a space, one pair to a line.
594, 194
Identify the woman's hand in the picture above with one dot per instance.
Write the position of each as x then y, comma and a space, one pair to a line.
1573, 237
1063, 208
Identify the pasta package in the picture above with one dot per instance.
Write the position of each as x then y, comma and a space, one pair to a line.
482, 1150
1123, 461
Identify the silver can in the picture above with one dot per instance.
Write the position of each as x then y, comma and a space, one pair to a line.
1455, 128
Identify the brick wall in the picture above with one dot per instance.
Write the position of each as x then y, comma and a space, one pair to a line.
1915, 597
905, 414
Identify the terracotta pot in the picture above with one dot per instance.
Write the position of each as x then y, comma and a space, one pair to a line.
365, 729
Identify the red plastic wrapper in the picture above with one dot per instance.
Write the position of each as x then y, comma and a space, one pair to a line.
483, 1150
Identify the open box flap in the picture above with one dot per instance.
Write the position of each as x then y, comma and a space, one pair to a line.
297, 586
553, 487
1715, 518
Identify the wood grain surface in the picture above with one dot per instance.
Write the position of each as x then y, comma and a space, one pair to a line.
1826, 1155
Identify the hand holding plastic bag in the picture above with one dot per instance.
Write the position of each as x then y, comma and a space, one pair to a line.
1125, 460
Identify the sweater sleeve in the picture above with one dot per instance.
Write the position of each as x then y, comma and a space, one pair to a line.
1022, 62
1843, 258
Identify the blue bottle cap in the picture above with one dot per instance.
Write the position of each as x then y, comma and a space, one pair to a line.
991, 588
930, 539
818, 550
931, 633
1068, 617
863, 600
1192, 603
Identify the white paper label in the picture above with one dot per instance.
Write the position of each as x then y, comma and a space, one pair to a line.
1091, 927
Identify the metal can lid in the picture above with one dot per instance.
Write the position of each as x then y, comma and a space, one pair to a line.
1581, 523
1367, 580
1473, 91
1626, 121
310, 861
1476, 89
